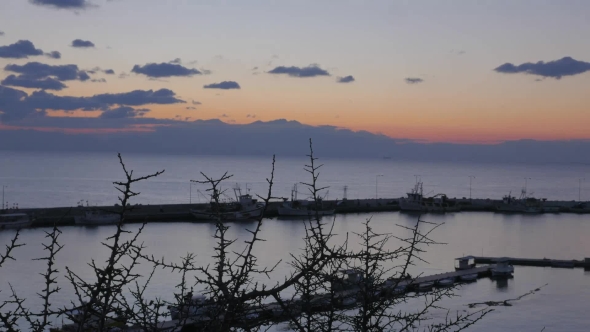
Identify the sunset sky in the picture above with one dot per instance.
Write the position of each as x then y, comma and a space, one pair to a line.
431, 71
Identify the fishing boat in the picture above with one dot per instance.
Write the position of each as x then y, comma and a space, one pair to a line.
468, 277
425, 286
93, 216
416, 202
502, 269
190, 306
446, 282
464, 263
302, 208
244, 207
526, 203
14, 220
97, 217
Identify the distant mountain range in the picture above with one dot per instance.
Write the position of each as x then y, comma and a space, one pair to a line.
287, 138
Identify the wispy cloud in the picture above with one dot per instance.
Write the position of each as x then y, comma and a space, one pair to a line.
63, 4
53, 55
164, 70
413, 80
123, 112
566, 66
47, 83
309, 71
345, 79
225, 85
82, 43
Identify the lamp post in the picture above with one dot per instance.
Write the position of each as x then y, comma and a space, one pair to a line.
376, 178
580, 189
471, 177
190, 190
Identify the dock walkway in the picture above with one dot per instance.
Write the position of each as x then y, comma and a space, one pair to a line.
543, 262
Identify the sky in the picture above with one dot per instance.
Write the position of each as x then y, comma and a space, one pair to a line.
430, 71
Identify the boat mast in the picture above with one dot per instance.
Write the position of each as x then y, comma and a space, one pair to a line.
238, 192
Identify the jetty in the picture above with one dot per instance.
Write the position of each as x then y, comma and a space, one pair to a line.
180, 212
322, 302
541, 262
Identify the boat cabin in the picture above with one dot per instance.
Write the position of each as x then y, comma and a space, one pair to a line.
464, 263
346, 279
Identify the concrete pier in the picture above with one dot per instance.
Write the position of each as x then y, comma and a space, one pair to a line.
180, 212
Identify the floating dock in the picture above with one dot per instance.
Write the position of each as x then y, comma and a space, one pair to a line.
265, 312
542, 262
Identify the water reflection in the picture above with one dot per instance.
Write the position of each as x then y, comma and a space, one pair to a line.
502, 284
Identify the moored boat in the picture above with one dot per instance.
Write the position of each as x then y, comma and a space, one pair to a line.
416, 202
97, 217
15, 220
468, 277
446, 282
243, 208
302, 208
425, 286
502, 269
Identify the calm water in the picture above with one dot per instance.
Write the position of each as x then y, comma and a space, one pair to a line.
37, 180
62, 179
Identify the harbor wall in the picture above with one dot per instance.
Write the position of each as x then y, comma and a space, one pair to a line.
180, 212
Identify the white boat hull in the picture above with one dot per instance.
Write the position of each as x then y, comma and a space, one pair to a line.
16, 224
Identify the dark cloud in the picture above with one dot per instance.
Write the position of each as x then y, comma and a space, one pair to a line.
196, 102
413, 80
191, 108
63, 4
22, 49
206, 71
345, 79
53, 55
82, 43
164, 70
176, 61
16, 104
252, 116
39, 70
1, 33
566, 66
224, 115
123, 112
109, 72
309, 71
47, 83
225, 85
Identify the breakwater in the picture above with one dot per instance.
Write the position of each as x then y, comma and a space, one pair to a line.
180, 212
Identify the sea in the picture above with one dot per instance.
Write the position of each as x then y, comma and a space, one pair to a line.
42, 179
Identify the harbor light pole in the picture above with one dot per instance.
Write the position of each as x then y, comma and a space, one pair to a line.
377, 177
190, 191
580, 189
471, 177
